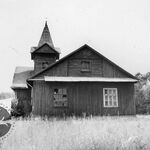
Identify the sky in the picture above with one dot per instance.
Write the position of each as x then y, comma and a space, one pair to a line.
118, 29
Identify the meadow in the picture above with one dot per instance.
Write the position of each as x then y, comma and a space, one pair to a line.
92, 133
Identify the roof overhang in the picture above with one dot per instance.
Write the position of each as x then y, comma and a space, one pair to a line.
35, 49
20, 76
87, 79
19, 86
55, 49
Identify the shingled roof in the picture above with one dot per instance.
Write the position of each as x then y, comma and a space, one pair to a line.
46, 37
20, 76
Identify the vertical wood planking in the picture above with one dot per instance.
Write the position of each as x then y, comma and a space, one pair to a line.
87, 97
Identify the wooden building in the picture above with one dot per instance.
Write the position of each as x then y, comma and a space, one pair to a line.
82, 82
21, 88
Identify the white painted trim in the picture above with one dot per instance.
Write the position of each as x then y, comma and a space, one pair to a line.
108, 96
35, 79
86, 79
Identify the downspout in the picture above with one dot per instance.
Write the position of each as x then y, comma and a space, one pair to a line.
29, 84
31, 95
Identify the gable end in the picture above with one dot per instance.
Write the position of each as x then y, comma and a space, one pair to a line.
102, 66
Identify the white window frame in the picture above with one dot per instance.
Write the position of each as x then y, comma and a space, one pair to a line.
112, 96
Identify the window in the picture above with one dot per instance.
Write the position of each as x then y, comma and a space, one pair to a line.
85, 65
110, 97
60, 97
44, 65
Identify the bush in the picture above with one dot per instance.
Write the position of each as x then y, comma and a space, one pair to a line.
20, 108
16, 108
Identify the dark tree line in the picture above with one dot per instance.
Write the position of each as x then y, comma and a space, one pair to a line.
5, 95
142, 93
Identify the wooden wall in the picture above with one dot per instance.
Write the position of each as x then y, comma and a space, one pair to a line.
99, 67
60, 70
82, 98
43, 54
23, 94
39, 59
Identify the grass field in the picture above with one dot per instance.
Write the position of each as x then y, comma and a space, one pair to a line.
95, 133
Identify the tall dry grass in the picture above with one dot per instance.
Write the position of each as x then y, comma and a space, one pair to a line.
96, 133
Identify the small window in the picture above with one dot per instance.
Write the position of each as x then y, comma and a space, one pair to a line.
60, 97
44, 65
110, 97
85, 65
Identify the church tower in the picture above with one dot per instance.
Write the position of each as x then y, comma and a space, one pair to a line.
45, 53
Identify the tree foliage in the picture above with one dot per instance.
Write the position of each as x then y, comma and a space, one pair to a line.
142, 92
5, 95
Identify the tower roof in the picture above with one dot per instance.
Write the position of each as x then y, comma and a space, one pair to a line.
46, 37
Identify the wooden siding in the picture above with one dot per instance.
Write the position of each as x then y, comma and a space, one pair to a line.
99, 67
110, 70
39, 59
74, 67
23, 94
85, 53
43, 54
59, 70
82, 98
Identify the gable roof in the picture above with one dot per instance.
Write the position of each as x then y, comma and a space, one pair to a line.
35, 49
20, 76
84, 46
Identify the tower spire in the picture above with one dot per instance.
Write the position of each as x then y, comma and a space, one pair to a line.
46, 37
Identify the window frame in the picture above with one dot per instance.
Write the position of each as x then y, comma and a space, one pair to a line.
45, 64
104, 98
89, 66
60, 100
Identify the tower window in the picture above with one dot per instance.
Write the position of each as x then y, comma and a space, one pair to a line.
44, 65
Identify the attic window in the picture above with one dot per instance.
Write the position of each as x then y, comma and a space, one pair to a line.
60, 97
44, 65
85, 66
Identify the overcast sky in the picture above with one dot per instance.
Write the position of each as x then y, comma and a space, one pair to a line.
118, 29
